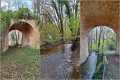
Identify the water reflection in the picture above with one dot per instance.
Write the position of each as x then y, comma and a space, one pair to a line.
88, 68
56, 63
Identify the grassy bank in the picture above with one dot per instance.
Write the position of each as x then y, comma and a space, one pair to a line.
49, 40
99, 68
47, 43
20, 63
109, 52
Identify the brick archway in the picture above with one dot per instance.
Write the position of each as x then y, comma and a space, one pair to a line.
29, 30
97, 13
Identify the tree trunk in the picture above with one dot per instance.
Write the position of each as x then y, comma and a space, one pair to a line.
38, 7
91, 45
18, 37
96, 35
99, 41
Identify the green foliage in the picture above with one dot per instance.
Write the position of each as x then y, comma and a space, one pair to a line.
3, 26
68, 10
5, 16
12, 44
99, 74
48, 41
107, 46
73, 24
22, 13
110, 52
95, 46
5, 19
111, 45
107, 40
67, 33
99, 68
71, 21
50, 31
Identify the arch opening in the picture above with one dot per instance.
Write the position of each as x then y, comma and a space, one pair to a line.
102, 50
15, 38
102, 40
27, 33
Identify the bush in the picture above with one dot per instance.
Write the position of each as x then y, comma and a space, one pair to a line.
111, 45
49, 31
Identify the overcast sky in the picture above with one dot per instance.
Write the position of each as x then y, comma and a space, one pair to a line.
13, 4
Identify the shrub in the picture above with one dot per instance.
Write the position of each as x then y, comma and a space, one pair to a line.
111, 45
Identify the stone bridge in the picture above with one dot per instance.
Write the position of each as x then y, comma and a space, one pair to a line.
29, 29
97, 13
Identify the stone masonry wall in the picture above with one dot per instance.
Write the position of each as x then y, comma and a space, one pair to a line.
97, 13
30, 31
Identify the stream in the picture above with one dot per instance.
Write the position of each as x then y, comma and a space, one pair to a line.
56, 63
87, 69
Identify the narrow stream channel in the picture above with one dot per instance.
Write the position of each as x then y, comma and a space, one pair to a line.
88, 68
55, 63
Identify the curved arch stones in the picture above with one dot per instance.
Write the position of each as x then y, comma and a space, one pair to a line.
97, 13
29, 28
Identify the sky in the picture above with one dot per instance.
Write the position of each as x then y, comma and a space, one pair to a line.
4, 5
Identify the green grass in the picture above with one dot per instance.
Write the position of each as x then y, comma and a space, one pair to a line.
21, 64
49, 40
99, 74
109, 52
11, 44
99, 68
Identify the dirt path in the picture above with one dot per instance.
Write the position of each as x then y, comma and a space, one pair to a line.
112, 69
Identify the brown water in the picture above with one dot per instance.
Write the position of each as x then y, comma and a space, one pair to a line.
57, 63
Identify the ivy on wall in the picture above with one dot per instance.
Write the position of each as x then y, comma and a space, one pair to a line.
21, 13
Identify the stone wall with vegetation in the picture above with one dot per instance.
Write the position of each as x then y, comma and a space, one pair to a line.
13, 18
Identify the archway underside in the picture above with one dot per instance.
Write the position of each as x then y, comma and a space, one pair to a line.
30, 35
106, 13
27, 30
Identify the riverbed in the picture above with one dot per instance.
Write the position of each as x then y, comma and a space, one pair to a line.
56, 63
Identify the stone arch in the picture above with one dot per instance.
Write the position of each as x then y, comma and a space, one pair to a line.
30, 33
27, 31
97, 13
